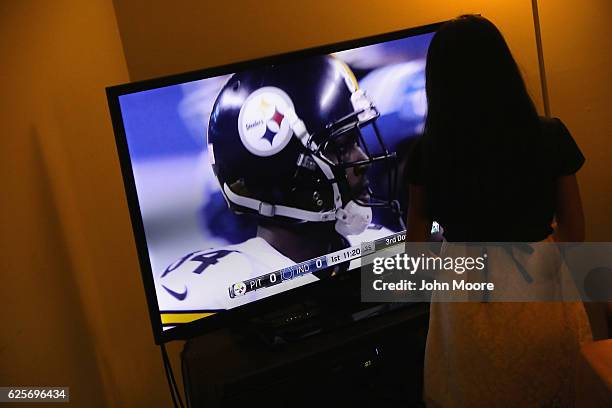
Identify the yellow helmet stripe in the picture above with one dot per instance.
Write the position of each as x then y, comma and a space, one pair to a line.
348, 73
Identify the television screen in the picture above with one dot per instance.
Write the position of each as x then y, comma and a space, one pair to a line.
250, 180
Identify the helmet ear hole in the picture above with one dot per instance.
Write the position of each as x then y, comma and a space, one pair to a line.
310, 189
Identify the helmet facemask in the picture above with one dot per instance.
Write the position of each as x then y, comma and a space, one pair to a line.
343, 147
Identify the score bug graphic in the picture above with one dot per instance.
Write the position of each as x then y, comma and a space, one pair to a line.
277, 277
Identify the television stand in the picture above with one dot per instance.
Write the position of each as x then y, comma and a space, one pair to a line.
308, 318
378, 360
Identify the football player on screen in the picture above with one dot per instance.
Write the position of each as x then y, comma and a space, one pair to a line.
285, 144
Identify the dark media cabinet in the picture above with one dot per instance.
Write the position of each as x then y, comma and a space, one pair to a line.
376, 361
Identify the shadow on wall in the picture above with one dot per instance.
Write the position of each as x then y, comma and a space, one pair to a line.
48, 329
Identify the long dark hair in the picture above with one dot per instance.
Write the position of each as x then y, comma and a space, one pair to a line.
480, 117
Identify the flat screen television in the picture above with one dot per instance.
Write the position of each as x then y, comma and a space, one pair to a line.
250, 182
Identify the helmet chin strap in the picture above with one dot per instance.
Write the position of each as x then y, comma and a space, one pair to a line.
353, 219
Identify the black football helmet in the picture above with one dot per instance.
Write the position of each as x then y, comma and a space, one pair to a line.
273, 142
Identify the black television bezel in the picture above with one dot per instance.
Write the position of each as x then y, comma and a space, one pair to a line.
239, 314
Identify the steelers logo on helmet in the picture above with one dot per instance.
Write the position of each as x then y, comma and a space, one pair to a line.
263, 121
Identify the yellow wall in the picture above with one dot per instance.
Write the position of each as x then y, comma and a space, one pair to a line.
73, 307
577, 42
160, 40
75, 311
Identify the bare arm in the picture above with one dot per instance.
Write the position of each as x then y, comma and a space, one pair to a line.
568, 210
418, 225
